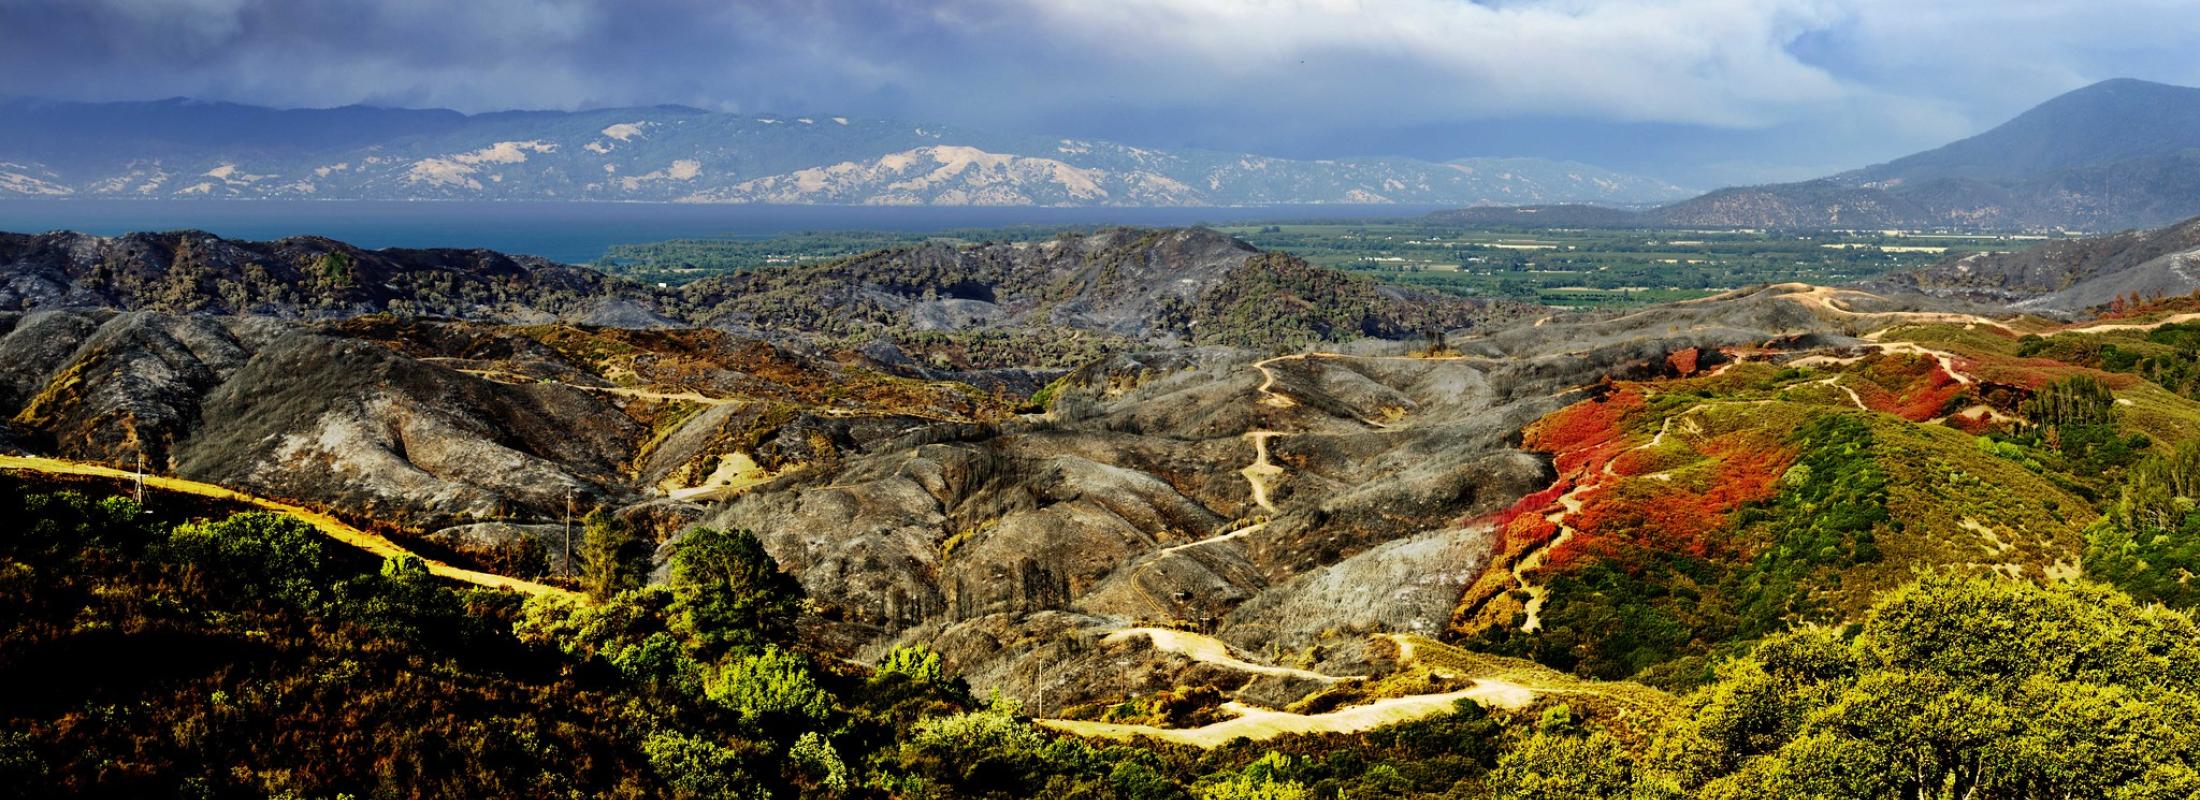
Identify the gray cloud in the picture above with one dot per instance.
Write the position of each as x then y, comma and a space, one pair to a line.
1784, 86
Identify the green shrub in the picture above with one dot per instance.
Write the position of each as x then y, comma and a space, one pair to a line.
256, 554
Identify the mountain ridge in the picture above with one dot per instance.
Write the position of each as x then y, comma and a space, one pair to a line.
679, 154
1114, 288
2115, 155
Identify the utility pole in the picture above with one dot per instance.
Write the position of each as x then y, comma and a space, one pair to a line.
569, 532
141, 476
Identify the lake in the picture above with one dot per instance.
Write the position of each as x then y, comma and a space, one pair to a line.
579, 232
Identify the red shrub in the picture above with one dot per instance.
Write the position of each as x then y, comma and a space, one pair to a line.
1684, 362
1973, 423
1582, 436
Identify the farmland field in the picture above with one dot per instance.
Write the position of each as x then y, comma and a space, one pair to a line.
1559, 267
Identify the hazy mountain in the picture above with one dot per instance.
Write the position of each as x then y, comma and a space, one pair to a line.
180, 148
2110, 122
2118, 154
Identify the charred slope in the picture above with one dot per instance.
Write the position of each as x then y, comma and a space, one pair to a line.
1054, 303
425, 424
1145, 287
2069, 276
305, 277
1285, 505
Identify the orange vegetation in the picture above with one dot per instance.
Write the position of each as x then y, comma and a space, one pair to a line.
1685, 362
1677, 514
1908, 385
1583, 436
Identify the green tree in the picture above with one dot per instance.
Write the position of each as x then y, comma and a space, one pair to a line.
334, 268
2076, 401
728, 594
627, 631
817, 759
915, 664
612, 557
700, 768
1559, 766
1264, 779
1954, 687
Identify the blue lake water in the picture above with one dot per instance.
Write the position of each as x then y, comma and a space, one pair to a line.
577, 232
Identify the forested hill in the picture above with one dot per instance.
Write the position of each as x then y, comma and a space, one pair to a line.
1132, 287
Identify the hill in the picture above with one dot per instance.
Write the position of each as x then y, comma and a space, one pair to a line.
1060, 300
2070, 276
2107, 123
181, 148
2114, 155
1470, 565
2117, 154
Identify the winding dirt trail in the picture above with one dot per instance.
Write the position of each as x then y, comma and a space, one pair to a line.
1210, 650
1263, 470
1237, 533
328, 525
1260, 724
1858, 399
1569, 504
1947, 360
1260, 475
1267, 388
1827, 299
2110, 327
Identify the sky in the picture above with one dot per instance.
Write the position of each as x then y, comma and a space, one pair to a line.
1699, 92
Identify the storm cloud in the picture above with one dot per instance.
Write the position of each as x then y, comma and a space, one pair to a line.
1730, 89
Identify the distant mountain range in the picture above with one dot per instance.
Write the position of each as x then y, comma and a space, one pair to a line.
185, 149
2118, 154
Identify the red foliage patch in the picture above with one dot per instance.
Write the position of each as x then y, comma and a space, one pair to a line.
1973, 422
1908, 385
1531, 505
1677, 518
1685, 362
1526, 532
1582, 436
1631, 462
1625, 512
